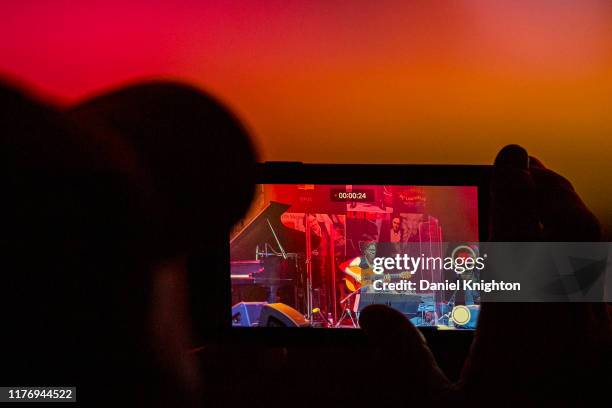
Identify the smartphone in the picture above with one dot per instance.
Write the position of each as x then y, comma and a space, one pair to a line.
302, 258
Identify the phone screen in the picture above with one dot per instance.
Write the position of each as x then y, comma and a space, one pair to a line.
314, 255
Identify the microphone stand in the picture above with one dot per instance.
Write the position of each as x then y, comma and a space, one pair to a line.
308, 268
451, 305
346, 310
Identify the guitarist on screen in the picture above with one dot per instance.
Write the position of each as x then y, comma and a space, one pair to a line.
353, 268
359, 273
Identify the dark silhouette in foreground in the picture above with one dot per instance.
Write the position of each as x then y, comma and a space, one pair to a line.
552, 352
114, 218
201, 164
105, 209
75, 280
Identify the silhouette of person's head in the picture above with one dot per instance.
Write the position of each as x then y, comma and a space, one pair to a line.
201, 163
197, 153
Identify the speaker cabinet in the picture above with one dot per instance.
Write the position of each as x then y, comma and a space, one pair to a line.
246, 314
281, 315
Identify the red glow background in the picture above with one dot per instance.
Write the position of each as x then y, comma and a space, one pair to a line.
358, 81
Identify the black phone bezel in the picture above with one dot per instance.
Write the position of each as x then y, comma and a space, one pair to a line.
383, 174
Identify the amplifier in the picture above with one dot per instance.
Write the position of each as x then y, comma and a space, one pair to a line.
246, 314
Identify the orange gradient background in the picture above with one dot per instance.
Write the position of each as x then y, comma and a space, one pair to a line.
353, 81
